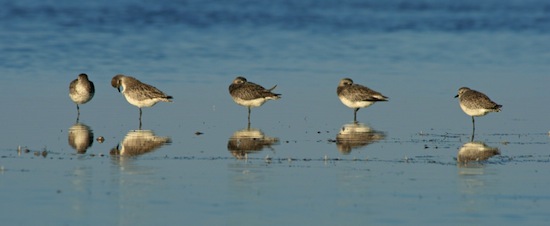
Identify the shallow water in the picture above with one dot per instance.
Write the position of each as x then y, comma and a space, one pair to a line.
295, 164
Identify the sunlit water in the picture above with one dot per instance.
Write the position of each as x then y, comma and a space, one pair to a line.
196, 161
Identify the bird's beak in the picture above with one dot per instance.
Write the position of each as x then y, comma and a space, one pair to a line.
456, 96
118, 88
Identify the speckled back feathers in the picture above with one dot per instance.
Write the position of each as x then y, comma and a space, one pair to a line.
135, 89
355, 92
242, 89
473, 99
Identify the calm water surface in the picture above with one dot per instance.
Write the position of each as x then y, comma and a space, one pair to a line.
297, 162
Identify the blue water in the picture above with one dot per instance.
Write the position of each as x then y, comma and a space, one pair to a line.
403, 172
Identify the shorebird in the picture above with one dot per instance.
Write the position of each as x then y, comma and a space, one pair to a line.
356, 96
137, 93
249, 94
475, 103
81, 90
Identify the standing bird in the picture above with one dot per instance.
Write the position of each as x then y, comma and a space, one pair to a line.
249, 94
137, 93
81, 90
356, 96
475, 103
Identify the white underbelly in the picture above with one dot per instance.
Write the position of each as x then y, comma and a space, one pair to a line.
474, 111
81, 97
142, 103
356, 104
250, 103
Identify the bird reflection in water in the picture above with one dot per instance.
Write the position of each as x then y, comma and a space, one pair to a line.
474, 152
249, 140
356, 135
81, 137
138, 142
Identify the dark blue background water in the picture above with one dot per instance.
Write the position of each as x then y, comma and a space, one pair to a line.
42, 37
417, 53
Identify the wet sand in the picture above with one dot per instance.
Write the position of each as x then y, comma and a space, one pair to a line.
320, 184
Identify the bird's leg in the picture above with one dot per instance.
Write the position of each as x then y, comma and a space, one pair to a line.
77, 113
355, 114
249, 115
139, 118
473, 127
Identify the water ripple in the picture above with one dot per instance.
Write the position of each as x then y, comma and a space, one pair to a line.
325, 16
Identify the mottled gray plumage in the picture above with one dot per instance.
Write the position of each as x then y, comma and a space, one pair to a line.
356, 92
81, 90
243, 89
474, 100
356, 96
249, 94
137, 93
475, 103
